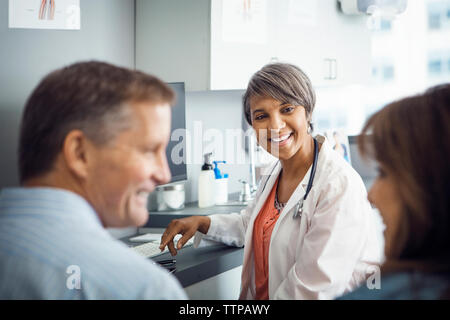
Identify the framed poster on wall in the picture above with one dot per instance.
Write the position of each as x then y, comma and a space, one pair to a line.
339, 142
44, 14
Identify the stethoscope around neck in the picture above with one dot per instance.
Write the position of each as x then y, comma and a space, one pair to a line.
299, 206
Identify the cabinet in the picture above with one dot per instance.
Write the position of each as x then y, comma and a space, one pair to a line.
173, 40
331, 47
219, 44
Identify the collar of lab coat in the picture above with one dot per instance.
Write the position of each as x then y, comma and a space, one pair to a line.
272, 174
300, 191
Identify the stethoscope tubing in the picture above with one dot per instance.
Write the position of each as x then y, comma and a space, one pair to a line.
299, 208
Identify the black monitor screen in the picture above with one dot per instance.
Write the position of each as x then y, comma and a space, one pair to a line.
176, 149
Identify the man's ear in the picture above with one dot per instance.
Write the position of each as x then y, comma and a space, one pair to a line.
75, 151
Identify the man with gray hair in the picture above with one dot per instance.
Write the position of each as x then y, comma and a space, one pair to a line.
92, 147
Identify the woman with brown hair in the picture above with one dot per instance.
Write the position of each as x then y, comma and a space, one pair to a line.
410, 140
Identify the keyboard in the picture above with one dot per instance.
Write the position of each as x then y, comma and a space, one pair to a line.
151, 249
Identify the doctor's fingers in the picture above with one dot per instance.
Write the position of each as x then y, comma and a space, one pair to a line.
185, 238
169, 242
171, 248
175, 227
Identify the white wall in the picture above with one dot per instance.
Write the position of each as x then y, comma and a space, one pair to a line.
222, 111
26, 55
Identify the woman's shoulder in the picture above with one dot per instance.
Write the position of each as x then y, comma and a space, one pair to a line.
403, 286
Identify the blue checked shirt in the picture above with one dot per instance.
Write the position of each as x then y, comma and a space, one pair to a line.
53, 246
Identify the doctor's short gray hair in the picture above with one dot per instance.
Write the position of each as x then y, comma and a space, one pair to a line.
284, 82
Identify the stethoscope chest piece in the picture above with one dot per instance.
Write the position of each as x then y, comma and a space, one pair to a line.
298, 210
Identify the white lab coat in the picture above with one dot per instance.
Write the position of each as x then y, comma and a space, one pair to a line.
327, 252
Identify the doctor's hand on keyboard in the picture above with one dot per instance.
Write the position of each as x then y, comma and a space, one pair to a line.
187, 228
150, 249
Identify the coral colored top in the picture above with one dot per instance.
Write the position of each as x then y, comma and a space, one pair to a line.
262, 231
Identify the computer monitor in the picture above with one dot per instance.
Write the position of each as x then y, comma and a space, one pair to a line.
367, 168
177, 167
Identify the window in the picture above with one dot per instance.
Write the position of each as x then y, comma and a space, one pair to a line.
411, 54
385, 25
434, 21
374, 72
439, 64
383, 70
438, 14
435, 67
388, 72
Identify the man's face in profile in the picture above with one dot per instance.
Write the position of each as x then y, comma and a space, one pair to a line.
127, 169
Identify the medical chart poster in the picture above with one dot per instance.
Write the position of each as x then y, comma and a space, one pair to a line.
244, 21
44, 14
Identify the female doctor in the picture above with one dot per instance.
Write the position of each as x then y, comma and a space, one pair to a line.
310, 233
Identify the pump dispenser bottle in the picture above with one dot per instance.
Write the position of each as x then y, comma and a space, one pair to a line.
206, 183
221, 186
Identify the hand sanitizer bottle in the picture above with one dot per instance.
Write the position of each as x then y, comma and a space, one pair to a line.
221, 185
206, 182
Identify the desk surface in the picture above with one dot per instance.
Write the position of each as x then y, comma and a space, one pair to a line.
197, 264
194, 265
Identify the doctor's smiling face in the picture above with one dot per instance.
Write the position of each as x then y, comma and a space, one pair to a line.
281, 128
278, 103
